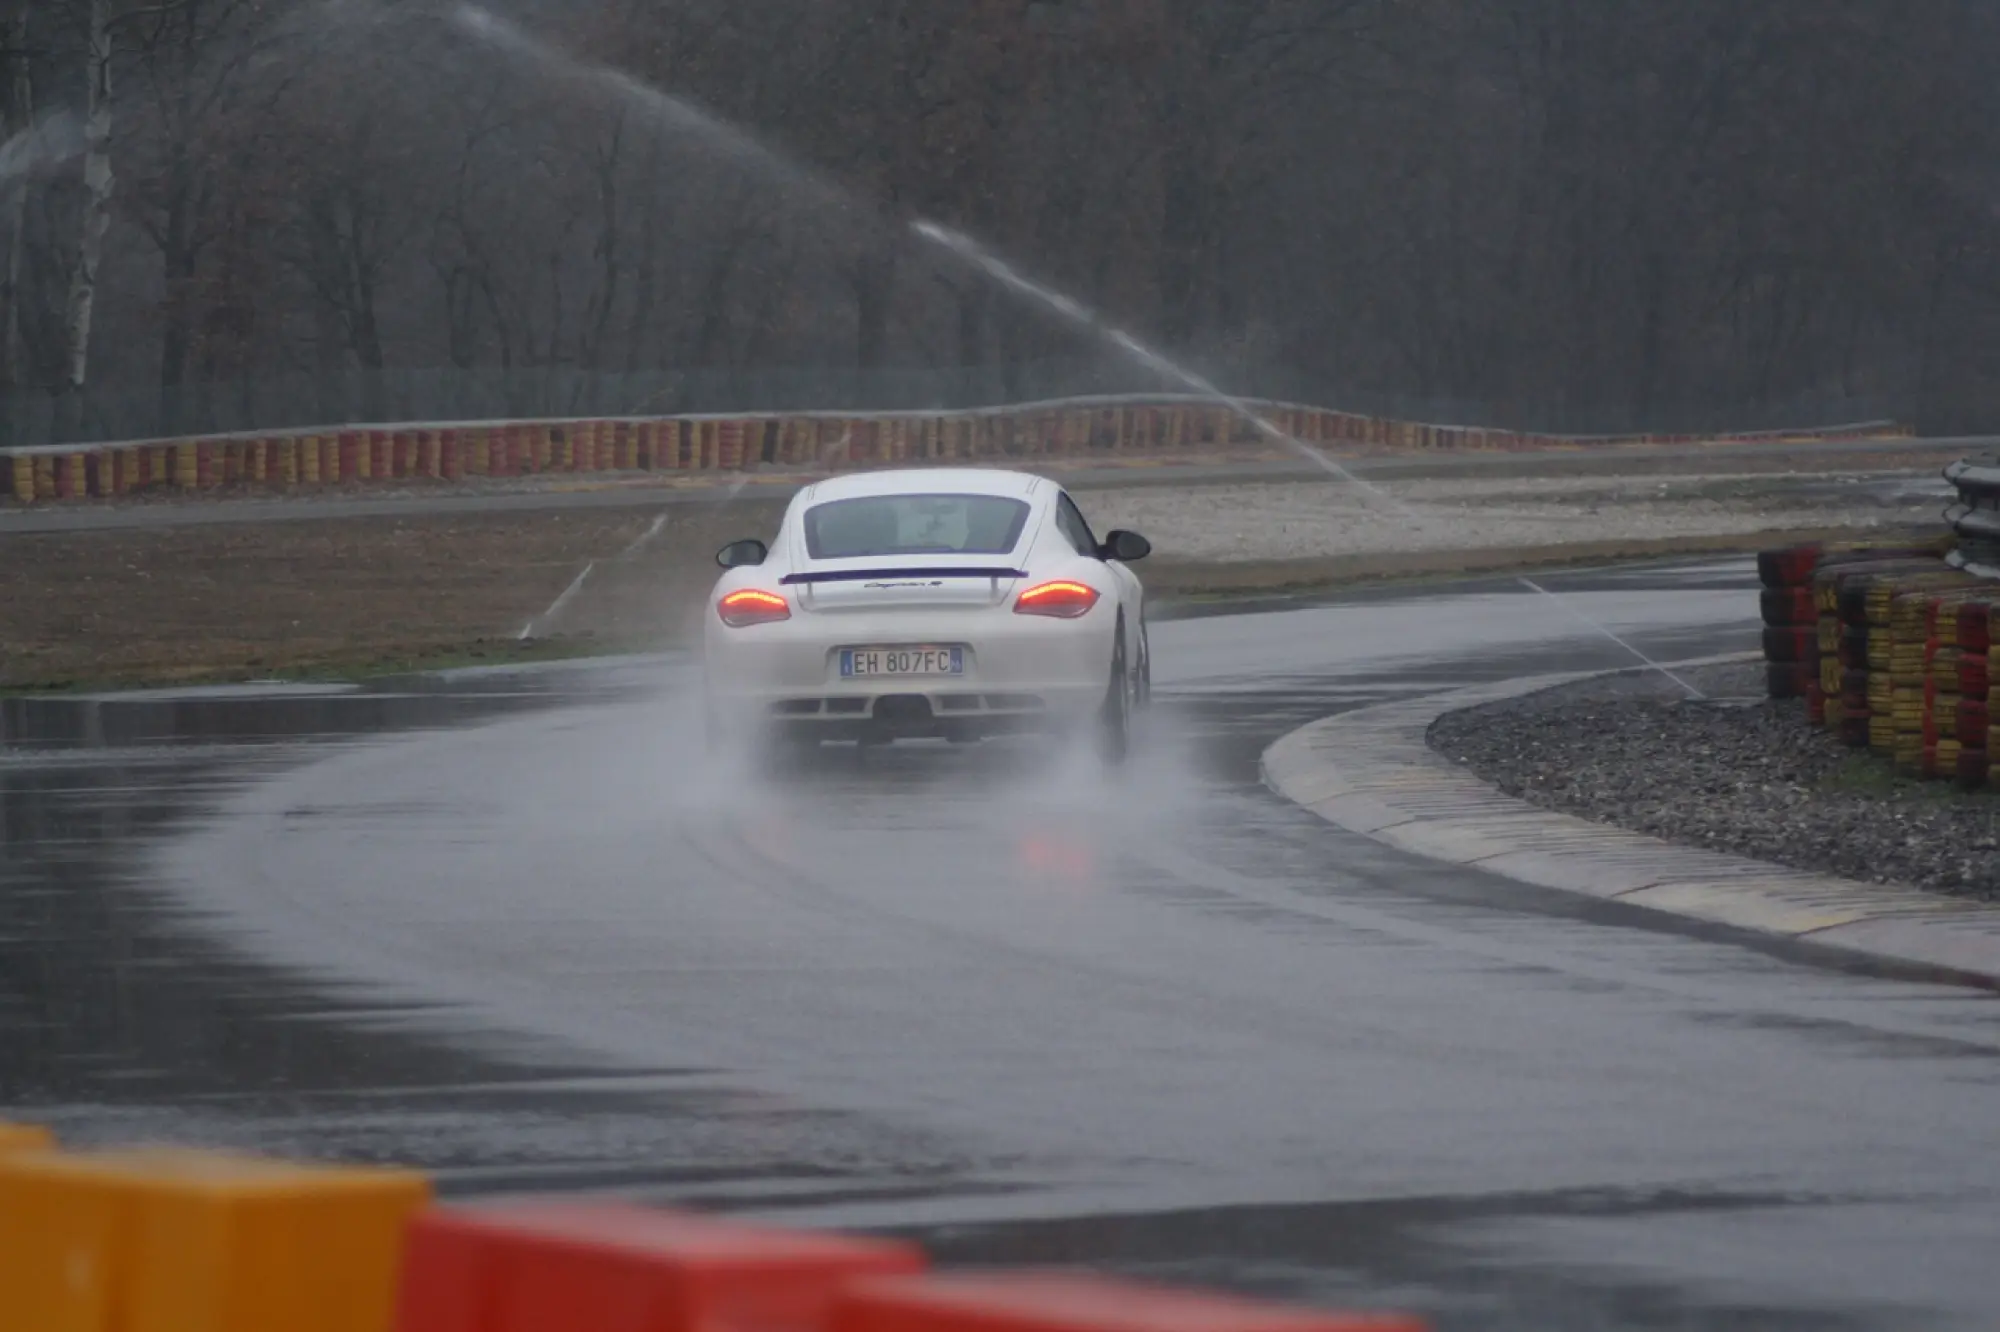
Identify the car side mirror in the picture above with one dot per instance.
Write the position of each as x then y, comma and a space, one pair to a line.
743, 554
1125, 547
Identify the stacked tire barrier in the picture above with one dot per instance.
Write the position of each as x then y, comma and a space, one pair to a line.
1900, 656
1792, 643
450, 452
173, 1241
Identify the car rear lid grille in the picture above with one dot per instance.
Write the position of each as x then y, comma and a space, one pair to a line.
899, 574
903, 586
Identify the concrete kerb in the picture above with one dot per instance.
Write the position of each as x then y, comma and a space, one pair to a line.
1373, 772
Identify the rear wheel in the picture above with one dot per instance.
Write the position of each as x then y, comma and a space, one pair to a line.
1114, 719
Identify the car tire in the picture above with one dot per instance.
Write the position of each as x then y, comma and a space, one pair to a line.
1114, 718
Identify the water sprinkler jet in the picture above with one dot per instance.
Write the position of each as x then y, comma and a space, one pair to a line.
674, 112
55, 138
682, 114
967, 250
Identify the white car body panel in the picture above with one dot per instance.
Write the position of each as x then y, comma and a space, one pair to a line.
1020, 672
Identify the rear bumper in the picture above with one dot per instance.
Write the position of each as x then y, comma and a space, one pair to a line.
914, 716
911, 712
1021, 674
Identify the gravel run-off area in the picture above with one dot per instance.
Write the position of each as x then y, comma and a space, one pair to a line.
1302, 520
1736, 773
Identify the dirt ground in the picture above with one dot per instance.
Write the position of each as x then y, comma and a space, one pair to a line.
336, 596
378, 594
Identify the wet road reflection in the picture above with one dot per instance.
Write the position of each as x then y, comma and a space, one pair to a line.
122, 1019
512, 929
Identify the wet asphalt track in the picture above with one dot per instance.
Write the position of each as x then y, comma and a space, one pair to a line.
512, 928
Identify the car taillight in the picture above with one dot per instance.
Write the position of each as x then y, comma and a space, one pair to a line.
1063, 601
740, 610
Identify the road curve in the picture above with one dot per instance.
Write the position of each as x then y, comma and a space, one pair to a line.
1166, 1022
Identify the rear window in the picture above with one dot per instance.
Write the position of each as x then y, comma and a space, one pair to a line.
914, 525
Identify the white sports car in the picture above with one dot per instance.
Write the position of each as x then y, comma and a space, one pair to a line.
940, 603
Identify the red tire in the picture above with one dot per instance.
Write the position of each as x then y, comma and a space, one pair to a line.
1792, 567
1973, 721
1788, 607
1974, 769
1975, 632
1786, 680
1792, 646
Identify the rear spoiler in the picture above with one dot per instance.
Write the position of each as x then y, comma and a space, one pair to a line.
897, 575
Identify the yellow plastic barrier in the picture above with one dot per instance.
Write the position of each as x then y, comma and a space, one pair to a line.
174, 1241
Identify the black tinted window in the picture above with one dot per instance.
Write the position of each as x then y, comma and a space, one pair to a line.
1070, 519
914, 525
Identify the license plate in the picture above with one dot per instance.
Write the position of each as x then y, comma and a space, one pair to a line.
860, 663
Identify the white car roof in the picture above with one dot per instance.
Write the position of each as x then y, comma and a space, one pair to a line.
927, 481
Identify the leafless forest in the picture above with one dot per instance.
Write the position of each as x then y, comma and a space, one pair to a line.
1616, 213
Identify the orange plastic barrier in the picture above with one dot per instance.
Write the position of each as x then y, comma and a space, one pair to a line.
513, 448
1063, 1303
23, 1138
168, 1241
174, 1241
609, 1267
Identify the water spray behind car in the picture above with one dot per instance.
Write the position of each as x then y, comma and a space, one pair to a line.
745, 148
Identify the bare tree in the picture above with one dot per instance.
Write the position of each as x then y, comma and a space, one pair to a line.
1542, 211
17, 115
193, 61
102, 19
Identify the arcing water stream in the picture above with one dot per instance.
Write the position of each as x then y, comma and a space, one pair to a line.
1001, 271
681, 114
48, 141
